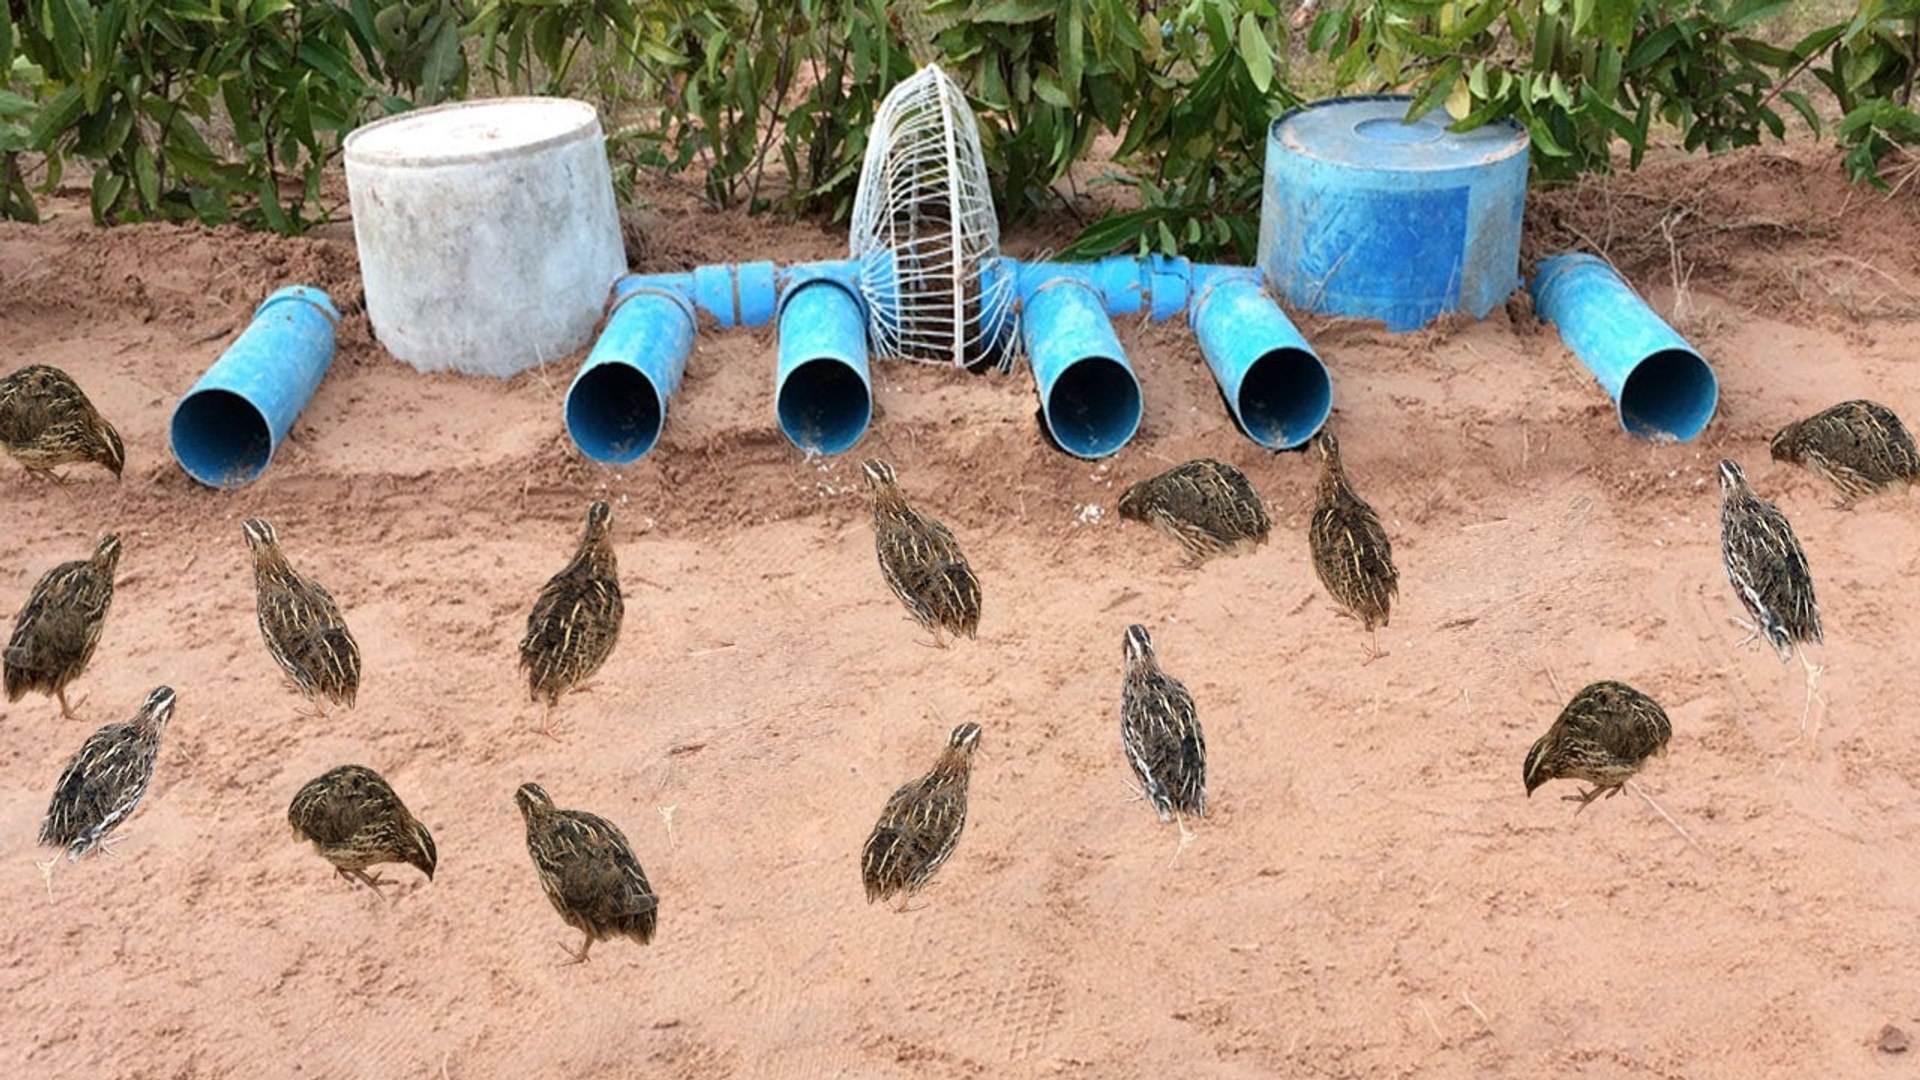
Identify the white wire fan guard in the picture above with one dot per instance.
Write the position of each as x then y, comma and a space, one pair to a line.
925, 233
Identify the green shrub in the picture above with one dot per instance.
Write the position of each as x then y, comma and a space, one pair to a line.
133, 87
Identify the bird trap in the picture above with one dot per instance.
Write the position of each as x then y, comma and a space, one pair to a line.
926, 235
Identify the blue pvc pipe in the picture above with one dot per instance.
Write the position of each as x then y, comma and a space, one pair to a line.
1663, 387
618, 401
617, 404
1159, 285
823, 394
1274, 384
1088, 394
226, 429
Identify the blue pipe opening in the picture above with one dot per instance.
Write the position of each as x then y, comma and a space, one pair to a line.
1672, 392
220, 438
823, 394
1277, 389
225, 431
1662, 386
617, 404
1089, 397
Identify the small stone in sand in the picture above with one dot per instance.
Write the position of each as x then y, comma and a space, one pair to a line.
1892, 1040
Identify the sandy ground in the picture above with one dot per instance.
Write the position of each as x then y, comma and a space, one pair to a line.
1374, 894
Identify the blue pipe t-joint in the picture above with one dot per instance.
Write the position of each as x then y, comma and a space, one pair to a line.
1088, 394
1274, 384
617, 404
823, 392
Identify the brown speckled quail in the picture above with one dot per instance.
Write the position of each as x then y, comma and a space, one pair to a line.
1351, 553
355, 820
56, 632
576, 619
588, 870
1208, 506
1603, 736
1160, 732
301, 624
922, 561
1860, 447
1769, 573
104, 782
46, 421
921, 823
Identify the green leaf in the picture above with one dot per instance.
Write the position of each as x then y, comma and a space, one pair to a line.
1652, 47
6, 59
1013, 12
269, 195
444, 62
1256, 53
1817, 41
146, 175
1072, 53
59, 114
1804, 107
1048, 90
1434, 90
1543, 139
107, 189
1746, 13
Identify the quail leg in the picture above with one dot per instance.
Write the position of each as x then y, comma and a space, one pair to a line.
1186, 837
1587, 797
1813, 680
371, 881
106, 844
580, 956
1374, 652
546, 722
66, 710
1753, 631
46, 874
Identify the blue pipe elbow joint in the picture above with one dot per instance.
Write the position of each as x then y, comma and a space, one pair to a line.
617, 404
1089, 396
1663, 387
823, 391
225, 430
1275, 386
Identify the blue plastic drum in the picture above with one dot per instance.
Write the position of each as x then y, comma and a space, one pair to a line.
1366, 216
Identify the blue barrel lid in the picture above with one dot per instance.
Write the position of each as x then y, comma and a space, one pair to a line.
1370, 132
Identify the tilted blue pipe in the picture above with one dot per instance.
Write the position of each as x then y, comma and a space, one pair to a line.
1274, 384
617, 404
1089, 396
1663, 387
823, 392
226, 429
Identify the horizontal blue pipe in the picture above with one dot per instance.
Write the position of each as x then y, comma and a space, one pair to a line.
226, 429
616, 407
1662, 386
1159, 285
1275, 386
742, 294
1089, 396
823, 393
618, 401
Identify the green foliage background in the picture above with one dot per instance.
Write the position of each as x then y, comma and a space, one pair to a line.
219, 110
